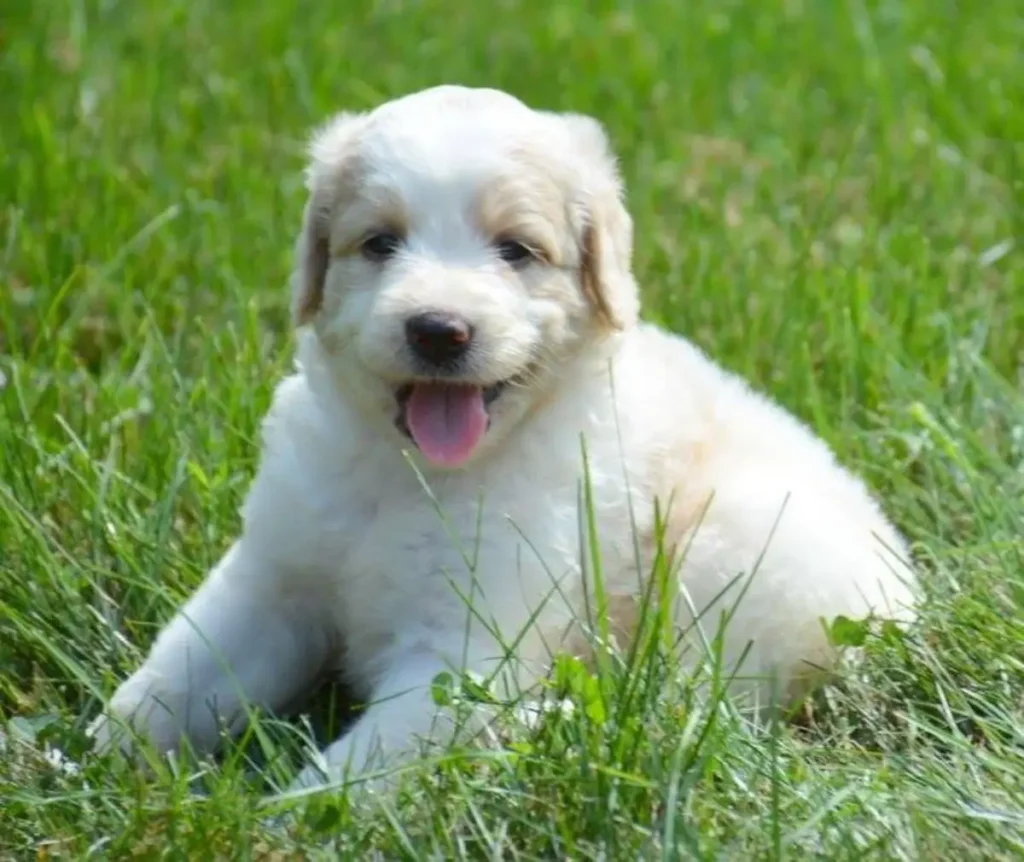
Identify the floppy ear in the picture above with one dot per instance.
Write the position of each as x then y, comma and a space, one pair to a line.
311, 253
605, 227
597, 263
332, 169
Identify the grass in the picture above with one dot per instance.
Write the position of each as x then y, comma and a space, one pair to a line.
828, 197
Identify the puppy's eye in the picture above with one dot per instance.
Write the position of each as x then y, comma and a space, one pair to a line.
381, 246
514, 252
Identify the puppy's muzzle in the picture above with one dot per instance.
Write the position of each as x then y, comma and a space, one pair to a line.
438, 339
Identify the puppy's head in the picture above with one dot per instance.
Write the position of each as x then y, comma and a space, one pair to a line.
457, 249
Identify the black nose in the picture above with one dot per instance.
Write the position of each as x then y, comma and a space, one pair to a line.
438, 338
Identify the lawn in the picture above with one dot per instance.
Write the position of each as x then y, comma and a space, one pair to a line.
828, 198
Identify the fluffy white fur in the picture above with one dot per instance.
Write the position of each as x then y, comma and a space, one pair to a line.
347, 564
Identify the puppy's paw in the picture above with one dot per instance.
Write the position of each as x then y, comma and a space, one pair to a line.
132, 718
109, 733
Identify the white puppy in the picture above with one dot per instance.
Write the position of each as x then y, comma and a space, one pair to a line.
468, 324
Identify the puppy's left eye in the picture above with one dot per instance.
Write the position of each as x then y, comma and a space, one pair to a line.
514, 252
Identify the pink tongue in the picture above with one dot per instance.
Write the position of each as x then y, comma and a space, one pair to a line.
446, 421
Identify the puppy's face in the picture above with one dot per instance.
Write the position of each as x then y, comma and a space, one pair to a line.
458, 248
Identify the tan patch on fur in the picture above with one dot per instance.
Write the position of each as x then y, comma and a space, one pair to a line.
682, 488
314, 272
335, 177
328, 195
528, 211
591, 278
341, 215
361, 211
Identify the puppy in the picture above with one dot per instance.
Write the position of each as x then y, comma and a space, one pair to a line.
468, 342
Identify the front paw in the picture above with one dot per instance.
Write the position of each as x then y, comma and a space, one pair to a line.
132, 715
109, 733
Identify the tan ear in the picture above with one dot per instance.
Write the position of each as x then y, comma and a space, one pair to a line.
594, 265
606, 231
333, 169
312, 254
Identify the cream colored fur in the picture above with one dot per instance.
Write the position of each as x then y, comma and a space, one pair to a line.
346, 564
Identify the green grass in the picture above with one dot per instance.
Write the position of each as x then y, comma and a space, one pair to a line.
828, 197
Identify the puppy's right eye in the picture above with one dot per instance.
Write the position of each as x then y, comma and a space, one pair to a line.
381, 246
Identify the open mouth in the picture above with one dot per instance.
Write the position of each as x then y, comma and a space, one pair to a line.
446, 420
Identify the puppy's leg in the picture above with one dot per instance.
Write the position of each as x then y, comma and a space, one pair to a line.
402, 713
238, 641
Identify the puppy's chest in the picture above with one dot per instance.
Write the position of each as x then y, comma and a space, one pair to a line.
422, 549
400, 557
